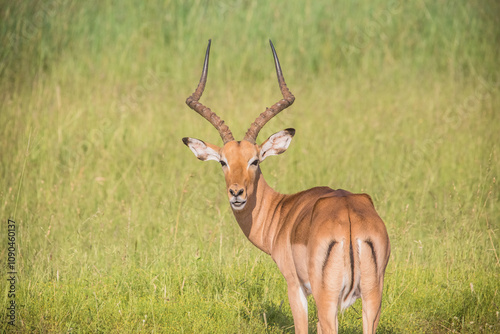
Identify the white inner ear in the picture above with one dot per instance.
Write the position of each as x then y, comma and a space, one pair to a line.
276, 144
202, 151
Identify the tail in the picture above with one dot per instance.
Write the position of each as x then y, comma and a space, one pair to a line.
352, 273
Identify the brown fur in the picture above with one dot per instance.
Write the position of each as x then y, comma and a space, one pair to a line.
328, 243
331, 240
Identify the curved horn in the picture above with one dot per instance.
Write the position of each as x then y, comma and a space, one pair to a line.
208, 114
284, 103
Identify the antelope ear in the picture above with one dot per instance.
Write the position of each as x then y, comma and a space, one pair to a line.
276, 144
202, 150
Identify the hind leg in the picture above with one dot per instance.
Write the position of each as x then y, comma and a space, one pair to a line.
372, 283
371, 296
326, 283
372, 302
326, 297
327, 317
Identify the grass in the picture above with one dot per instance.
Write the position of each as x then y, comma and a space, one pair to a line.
120, 229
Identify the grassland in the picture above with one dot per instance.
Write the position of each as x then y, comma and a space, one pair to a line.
121, 230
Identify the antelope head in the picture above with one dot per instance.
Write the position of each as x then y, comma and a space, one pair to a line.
240, 159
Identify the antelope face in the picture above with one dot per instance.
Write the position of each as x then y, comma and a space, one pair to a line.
240, 162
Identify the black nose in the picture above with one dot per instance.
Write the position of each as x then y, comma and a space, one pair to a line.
232, 192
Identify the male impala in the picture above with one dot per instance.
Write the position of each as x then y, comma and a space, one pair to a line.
330, 243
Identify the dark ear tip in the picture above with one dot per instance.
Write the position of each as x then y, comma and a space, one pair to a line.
291, 131
185, 140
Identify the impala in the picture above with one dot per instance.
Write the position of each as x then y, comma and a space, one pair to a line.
328, 243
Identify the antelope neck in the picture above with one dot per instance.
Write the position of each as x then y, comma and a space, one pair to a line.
256, 220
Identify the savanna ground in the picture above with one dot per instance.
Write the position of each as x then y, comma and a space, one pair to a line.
120, 229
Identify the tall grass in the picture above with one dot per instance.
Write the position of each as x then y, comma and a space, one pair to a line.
120, 229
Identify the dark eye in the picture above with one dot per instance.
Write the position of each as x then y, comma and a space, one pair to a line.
255, 162
222, 163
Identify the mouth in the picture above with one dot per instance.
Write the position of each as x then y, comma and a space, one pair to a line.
238, 204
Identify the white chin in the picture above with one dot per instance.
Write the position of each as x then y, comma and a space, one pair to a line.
238, 205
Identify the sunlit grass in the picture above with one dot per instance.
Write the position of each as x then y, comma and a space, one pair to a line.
121, 229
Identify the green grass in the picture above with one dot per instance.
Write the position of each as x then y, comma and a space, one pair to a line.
121, 229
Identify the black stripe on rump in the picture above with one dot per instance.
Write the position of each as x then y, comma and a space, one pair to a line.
374, 254
330, 247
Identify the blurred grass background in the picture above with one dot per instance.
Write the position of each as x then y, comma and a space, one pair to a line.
120, 229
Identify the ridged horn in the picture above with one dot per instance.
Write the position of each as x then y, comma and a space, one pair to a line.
205, 112
282, 104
